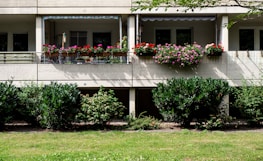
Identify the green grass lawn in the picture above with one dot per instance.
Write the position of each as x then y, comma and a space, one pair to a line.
131, 146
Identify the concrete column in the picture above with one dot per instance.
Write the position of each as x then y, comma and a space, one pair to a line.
224, 105
39, 37
132, 102
225, 43
131, 35
224, 33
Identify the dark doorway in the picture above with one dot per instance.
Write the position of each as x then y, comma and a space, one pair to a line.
246, 39
103, 38
3, 41
20, 42
163, 36
144, 103
183, 36
261, 39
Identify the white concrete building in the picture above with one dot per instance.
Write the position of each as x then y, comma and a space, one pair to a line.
25, 25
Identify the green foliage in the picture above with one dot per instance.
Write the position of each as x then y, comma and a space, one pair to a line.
101, 107
249, 99
30, 99
143, 122
59, 106
216, 121
254, 9
8, 101
181, 100
189, 4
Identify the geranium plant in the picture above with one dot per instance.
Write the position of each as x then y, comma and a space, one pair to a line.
97, 49
50, 49
113, 49
86, 49
213, 49
143, 48
72, 49
182, 55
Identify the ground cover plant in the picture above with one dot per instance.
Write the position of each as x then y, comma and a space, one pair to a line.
131, 146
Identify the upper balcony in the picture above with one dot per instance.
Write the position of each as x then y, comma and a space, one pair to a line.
233, 66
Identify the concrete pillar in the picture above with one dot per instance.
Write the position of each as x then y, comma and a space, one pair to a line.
132, 102
224, 33
39, 37
225, 43
224, 105
131, 35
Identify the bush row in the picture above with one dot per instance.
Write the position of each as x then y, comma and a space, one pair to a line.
56, 106
181, 100
201, 100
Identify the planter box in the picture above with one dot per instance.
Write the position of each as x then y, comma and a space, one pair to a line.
215, 54
146, 54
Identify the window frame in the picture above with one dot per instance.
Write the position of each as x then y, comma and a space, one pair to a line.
78, 37
184, 28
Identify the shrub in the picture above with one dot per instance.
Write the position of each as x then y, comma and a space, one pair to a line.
249, 99
8, 101
143, 123
30, 99
181, 100
101, 107
59, 106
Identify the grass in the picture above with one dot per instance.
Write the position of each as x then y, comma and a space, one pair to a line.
131, 146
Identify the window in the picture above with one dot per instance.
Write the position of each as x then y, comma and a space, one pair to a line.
183, 36
246, 39
163, 36
78, 38
103, 38
3, 41
261, 39
20, 42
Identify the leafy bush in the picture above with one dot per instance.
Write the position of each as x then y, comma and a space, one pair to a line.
143, 123
249, 99
181, 100
8, 101
30, 98
101, 107
59, 105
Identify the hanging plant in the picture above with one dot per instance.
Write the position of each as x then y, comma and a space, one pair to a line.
182, 55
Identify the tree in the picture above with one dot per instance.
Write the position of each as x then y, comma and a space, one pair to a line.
254, 7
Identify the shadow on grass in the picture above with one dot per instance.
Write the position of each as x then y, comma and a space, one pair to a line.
123, 126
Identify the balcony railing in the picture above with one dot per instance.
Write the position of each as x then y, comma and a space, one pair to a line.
17, 57
90, 58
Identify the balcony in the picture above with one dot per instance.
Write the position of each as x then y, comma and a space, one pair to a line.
86, 58
17, 57
233, 66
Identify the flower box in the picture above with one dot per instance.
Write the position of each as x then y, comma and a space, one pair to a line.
146, 54
51, 55
181, 55
215, 53
214, 50
145, 49
119, 53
